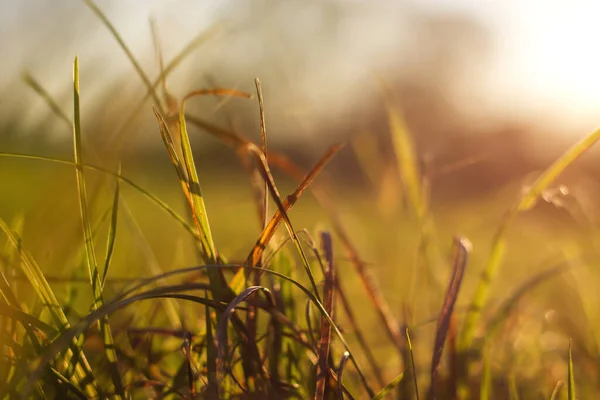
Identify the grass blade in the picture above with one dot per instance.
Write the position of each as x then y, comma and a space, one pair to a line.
485, 390
92, 263
268, 177
112, 229
221, 337
408, 164
389, 387
571, 376
129, 297
196, 201
267, 234
557, 389
325, 336
263, 138
340, 373
462, 247
412, 364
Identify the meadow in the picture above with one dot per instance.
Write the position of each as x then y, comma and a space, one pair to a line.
174, 278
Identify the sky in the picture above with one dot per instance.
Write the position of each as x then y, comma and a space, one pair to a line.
546, 60
545, 63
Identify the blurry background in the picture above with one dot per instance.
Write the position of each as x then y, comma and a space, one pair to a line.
491, 91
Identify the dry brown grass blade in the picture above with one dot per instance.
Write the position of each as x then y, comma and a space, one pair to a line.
257, 251
328, 303
263, 205
263, 138
240, 143
462, 247
288, 203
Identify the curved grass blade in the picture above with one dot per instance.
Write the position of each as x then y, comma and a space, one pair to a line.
461, 251
92, 263
62, 342
221, 337
526, 201
340, 371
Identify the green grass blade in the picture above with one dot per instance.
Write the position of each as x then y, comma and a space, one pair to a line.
44, 292
557, 389
531, 197
412, 364
83, 203
191, 189
221, 289
513, 390
112, 229
408, 165
485, 390
571, 376
198, 207
524, 202
389, 387
92, 263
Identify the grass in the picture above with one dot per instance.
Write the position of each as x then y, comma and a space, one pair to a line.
192, 302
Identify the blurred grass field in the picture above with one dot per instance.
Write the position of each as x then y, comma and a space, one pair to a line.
394, 253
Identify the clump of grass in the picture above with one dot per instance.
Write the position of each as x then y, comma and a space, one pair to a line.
246, 336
